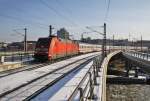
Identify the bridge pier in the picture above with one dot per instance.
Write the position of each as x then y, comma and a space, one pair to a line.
136, 71
127, 67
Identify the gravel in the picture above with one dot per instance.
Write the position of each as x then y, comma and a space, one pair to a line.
133, 92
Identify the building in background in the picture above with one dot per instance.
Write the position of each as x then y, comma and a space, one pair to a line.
63, 33
3, 46
19, 46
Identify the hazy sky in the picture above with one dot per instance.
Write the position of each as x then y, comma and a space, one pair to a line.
125, 17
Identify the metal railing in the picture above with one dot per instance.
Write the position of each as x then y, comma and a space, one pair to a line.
85, 89
144, 56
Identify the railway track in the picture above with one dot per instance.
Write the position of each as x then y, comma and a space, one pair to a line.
27, 90
78, 67
34, 65
76, 83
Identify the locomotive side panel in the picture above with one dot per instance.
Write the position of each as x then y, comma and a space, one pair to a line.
52, 49
62, 48
57, 49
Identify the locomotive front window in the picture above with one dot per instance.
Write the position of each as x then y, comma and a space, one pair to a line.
43, 42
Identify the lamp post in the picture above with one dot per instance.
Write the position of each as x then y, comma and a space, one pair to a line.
25, 37
113, 42
134, 44
104, 52
141, 44
50, 30
104, 42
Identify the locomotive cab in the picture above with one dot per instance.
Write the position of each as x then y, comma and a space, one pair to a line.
42, 48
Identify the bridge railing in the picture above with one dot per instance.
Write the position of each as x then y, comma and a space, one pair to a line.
96, 75
144, 56
85, 89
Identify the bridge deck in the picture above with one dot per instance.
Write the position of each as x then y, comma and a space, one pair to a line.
140, 59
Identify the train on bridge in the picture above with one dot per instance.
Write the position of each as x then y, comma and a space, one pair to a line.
53, 47
49, 48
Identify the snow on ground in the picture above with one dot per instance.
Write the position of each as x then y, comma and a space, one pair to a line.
98, 88
62, 90
12, 81
26, 91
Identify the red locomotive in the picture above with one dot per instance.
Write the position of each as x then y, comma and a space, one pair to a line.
53, 47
